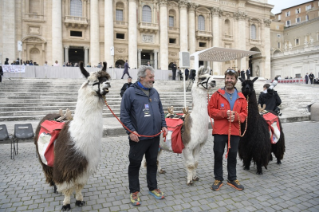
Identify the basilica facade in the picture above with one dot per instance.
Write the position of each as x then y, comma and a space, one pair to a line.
135, 30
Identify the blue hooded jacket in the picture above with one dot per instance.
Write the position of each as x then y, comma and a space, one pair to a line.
141, 113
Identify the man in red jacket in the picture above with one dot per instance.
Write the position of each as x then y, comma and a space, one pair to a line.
227, 107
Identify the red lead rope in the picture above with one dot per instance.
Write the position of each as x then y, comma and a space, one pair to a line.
148, 136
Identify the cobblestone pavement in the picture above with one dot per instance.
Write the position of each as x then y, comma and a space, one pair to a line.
291, 186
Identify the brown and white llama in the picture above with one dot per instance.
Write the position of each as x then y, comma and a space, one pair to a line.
195, 126
77, 148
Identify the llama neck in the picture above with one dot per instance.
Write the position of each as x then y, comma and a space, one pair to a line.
252, 107
199, 101
86, 128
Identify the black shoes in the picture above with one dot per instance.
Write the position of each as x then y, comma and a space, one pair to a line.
217, 184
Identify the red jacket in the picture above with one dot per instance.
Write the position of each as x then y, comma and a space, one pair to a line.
217, 109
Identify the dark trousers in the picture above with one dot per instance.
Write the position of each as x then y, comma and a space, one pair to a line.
174, 74
148, 147
186, 77
311, 81
220, 142
248, 76
125, 72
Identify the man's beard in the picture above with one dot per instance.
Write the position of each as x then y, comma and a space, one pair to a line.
229, 85
148, 84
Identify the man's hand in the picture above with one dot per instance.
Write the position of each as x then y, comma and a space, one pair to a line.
134, 137
230, 115
164, 129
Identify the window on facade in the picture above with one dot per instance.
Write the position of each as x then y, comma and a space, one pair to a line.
76, 33
171, 21
287, 13
279, 17
297, 20
308, 7
120, 36
227, 27
297, 41
33, 6
253, 31
119, 15
307, 17
278, 45
298, 10
277, 27
201, 23
172, 40
202, 44
287, 23
278, 35
76, 8
147, 14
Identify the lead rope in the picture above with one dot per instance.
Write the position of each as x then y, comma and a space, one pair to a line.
148, 136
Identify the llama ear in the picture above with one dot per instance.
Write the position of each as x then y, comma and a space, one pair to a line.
84, 72
241, 79
254, 79
104, 66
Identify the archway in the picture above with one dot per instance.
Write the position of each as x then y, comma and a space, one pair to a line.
35, 56
254, 63
119, 64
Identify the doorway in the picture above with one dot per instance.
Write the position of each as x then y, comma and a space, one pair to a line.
76, 54
145, 57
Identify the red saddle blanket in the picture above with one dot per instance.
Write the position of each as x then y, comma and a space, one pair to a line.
174, 136
273, 125
48, 134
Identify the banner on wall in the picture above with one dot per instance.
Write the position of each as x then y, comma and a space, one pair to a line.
13, 69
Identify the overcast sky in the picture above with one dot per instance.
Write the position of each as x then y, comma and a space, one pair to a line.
282, 4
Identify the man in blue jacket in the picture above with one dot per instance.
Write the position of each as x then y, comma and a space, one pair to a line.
142, 113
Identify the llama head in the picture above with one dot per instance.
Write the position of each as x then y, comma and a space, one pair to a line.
98, 81
248, 86
204, 79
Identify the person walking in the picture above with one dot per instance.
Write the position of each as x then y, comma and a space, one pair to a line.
125, 71
248, 73
1, 73
174, 71
242, 74
142, 113
186, 74
306, 78
311, 77
227, 107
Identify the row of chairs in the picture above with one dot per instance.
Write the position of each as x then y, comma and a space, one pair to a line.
21, 132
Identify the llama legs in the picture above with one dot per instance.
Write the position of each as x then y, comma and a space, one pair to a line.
79, 196
190, 164
196, 153
67, 198
159, 168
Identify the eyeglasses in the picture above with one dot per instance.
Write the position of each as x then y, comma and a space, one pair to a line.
231, 70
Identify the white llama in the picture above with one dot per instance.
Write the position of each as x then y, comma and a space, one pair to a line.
77, 149
195, 126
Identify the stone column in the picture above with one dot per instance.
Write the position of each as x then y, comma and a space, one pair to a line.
66, 54
9, 46
163, 35
241, 17
132, 29
265, 70
216, 12
57, 51
183, 25
191, 31
139, 55
155, 59
86, 56
108, 33
95, 32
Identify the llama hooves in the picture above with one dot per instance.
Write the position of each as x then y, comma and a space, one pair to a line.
278, 162
259, 172
246, 168
66, 207
79, 203
190, 183
196, 178
162, 171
